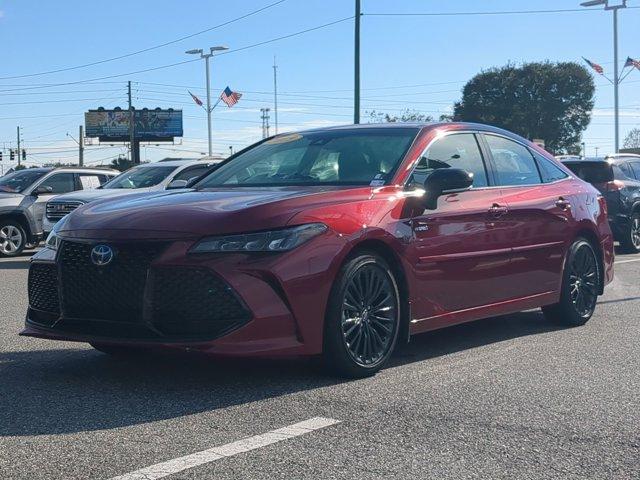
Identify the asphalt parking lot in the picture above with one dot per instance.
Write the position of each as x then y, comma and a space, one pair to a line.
507, 397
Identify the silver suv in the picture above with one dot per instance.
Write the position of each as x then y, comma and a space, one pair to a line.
147, 177
23, 195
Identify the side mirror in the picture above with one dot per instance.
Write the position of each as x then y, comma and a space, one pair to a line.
443, 181
177, 184
42, 190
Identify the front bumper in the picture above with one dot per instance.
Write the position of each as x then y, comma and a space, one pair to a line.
285, 296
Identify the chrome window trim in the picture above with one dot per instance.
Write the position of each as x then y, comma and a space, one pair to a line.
569, 176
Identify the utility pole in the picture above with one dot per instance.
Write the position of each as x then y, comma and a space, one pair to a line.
275, 92
19, 151
356, 62
265, 121
597, 151
132, 125
584, 149
81, 146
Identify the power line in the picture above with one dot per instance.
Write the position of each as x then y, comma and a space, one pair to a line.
151, 69
504, 12
148, 49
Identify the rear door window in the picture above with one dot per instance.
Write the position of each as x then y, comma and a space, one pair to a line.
89, 181
513, 162
549, 171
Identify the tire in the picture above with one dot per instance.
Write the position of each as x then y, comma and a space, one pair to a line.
363, 318
630, 241
117, 350
12, 238
580, 285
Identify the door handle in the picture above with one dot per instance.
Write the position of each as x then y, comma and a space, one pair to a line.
497, 210
563, 204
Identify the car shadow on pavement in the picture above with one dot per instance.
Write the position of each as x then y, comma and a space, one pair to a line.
74, 390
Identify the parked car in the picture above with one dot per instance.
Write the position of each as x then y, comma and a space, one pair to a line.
339, 242
142, 178
617, 177
23, 195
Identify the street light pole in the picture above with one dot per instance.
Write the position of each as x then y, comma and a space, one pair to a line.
616, 79
206, 57
616, 75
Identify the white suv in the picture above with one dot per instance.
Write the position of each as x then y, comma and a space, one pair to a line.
23, 195
147, 177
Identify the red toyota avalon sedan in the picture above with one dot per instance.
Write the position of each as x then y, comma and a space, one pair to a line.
340, 242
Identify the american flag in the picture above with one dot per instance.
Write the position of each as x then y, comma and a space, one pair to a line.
230, 97
195, 99
632, 63
595, 66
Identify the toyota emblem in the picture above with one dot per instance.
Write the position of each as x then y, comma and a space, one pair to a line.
102, 255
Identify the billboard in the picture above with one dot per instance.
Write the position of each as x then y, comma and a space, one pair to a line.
150, 125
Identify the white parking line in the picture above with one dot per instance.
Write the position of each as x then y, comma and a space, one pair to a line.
627, 261
176, 465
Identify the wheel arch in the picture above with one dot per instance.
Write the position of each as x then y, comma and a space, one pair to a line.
387, 252
20, 218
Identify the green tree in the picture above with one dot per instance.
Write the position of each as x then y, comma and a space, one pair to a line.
121, 163
407, 115
550, 101
632, 140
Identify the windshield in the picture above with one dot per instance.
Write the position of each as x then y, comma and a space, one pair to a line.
330, 157
140, 177
18, 182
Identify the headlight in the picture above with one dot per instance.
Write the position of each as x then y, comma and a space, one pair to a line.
272, 241
53, 240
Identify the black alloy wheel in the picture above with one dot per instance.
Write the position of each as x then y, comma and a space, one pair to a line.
631, 240
580, 286
363, 317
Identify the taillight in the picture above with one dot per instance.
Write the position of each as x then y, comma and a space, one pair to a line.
615, 186
603, 204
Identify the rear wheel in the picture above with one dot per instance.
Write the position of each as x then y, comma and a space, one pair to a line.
630, 241
12, 238
580, 284
363, 318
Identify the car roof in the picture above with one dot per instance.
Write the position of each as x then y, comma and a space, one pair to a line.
585, 160
86, 169
172, 163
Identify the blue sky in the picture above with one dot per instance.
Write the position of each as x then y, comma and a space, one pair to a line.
436, 53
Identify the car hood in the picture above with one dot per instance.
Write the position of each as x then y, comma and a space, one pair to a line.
86, 196
10, 199
181, 213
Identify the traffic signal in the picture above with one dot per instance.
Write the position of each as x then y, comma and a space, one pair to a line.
0, 156
12, 156
24, 155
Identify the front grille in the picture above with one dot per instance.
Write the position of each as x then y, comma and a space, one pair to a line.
194, 301
128, 298
43, 287
56, 210
112, 292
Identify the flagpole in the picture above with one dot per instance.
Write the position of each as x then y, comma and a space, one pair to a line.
616, 79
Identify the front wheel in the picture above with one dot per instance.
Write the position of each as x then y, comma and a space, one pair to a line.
363, 317
12, 238
580, 286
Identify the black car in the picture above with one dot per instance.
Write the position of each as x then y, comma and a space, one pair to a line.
618, 178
